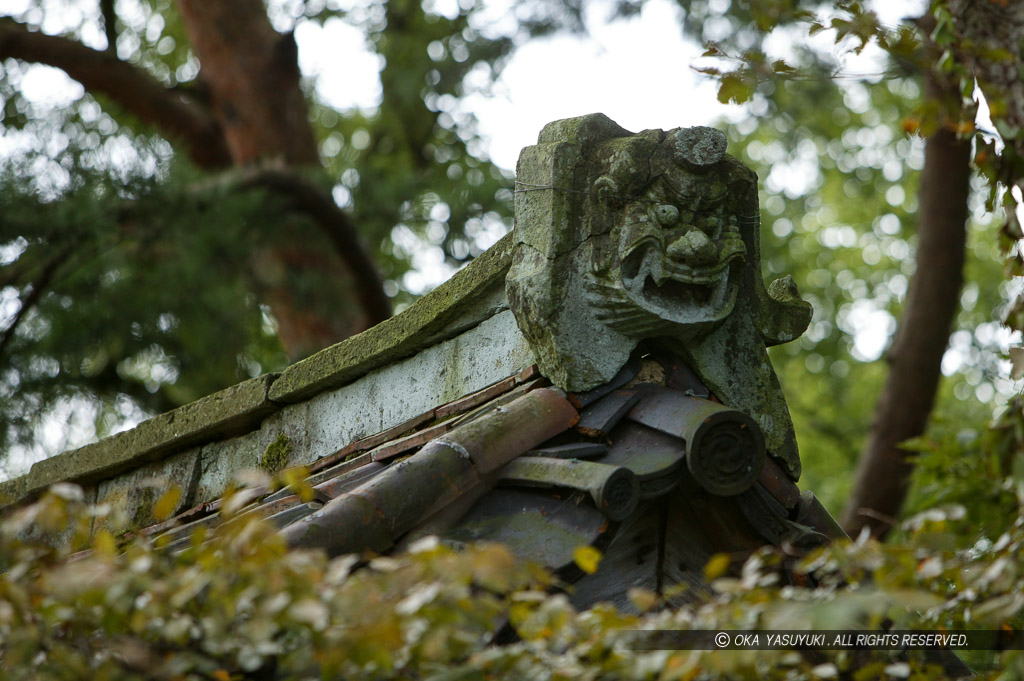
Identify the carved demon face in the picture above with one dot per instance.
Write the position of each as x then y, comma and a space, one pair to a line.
681, 250
622, 238
674, 208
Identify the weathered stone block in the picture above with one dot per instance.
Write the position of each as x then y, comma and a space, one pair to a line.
221, 461
134, 493
487, 353
13, 490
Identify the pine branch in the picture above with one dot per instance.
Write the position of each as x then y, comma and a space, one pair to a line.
313, 200
171, 111
39, 287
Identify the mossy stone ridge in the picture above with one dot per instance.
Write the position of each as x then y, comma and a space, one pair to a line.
426, 322
444, 313
226, 413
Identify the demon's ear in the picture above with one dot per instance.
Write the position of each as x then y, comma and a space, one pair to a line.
606, 189
781, 314
784, 314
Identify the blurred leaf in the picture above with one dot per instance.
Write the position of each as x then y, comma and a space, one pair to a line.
167, 503
586, 558
717, 566
104, 544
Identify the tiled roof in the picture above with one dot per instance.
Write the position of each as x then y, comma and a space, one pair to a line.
649, 468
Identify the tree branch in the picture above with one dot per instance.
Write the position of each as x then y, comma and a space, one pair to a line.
172, 112
39, 287
314, 201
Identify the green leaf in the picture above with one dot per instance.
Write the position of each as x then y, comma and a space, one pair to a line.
779, 66
734, 88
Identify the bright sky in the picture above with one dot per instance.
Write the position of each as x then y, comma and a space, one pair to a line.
636, 71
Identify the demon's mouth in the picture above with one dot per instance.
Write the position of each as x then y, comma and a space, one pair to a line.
686, 294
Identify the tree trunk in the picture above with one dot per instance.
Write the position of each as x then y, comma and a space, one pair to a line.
902, 412
988, 43
319, 282
252, 74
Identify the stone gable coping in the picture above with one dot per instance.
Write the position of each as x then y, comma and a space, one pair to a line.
229, 412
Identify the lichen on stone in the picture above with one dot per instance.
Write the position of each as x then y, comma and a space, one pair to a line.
276, 455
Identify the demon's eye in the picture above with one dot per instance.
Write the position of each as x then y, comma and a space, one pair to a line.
667, 215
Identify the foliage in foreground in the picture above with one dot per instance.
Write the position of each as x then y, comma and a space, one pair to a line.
236, 604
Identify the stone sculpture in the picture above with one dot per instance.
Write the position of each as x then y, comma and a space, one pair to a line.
626, 237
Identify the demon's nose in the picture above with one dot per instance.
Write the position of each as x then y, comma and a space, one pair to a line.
693, 248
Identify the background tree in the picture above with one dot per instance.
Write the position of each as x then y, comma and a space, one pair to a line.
198, 217
931, 69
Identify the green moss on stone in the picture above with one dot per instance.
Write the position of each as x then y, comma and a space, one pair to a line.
275, 456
